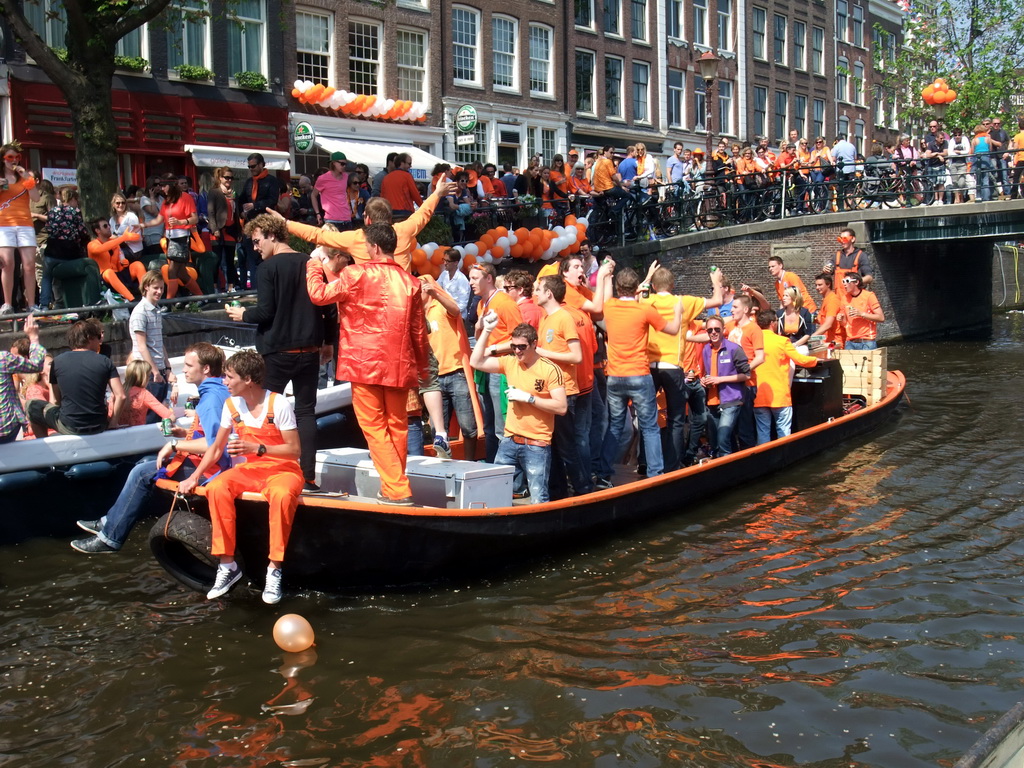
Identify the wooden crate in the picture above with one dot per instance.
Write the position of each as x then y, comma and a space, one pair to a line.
864, 372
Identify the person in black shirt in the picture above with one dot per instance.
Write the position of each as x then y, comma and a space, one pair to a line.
79, 380
292, 334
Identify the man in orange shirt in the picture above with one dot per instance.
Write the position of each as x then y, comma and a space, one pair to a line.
628, 372
559, 342
774, 400
481, 281
607, 182
828, 325
861, 315
399, 188
376, 211
536, 395
784, 280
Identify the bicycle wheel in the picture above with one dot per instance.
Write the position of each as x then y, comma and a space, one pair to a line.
710, 214
771, 203
818, 197
915, 191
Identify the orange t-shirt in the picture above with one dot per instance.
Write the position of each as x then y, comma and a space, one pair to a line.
538, 379
830, 307
508, 313
577, 295
751, 338
857, 328
17, 213
555, 332
792, 280
773, 375
531, 313
604, 171
628, 322
444, 338
588, 347
693, 351
662, 348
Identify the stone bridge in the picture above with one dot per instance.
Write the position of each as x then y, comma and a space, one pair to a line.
938, 270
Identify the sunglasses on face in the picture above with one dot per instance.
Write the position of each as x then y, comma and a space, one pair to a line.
228, 178
714, 330
519, 347
849, 280
12, 157
253, 167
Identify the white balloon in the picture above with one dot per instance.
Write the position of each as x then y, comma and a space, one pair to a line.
572, 233
512, 238
297, 85
559, 230
503, 243
429, 248
486, 258
584, 222
461, 249
307, 84
472, 249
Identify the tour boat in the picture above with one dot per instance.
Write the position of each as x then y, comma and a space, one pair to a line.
465, 523
1002, 746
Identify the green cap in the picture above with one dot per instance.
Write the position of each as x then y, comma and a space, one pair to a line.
338, 157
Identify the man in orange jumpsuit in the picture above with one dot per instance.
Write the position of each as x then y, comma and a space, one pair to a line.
264, 422
114, 267
382, 350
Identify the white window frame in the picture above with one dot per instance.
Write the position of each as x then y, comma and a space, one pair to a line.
724, 27
171, 46
878, 105
700, 104
675, 20
759, 28
781, 116
593, 80
700, 23
800, 114
645, 100
377, 86
143, 33
843, 126
589, 3
546, 61
780, 57
617, 5
760, 105
473, 15
800, 45
424, 70
818, 117
818, 50
858, 26
843, 20
857, 82
634, 15
676, 101
513, 56
416, 5
329, 54
859, 136
620, 115
48, 19
247, 23
842, 78
725, 107
548, 143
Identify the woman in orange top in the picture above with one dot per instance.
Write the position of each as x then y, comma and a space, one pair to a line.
747, 177
559, 186
17, 233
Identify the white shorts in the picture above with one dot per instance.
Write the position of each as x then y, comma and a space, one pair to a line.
17, 237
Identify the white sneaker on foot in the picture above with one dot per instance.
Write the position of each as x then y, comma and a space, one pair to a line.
272, 588
227, 577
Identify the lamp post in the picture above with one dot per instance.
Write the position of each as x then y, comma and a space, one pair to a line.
708, 64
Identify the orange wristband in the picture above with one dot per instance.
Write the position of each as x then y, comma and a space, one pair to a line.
29, 182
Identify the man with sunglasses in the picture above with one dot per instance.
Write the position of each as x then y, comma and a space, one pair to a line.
536, 394
726, 372
861, 314
260, 193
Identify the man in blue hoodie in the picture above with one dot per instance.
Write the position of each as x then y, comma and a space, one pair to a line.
204, 364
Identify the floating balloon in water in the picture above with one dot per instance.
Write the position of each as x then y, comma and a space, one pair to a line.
293, 633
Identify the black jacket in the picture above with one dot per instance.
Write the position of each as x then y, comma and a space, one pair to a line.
267, 193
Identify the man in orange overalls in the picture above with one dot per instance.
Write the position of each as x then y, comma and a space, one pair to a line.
382, 350
268, 439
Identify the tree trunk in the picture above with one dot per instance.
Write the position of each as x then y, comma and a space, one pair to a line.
95, 144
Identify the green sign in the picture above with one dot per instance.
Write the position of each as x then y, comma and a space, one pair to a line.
303, 137
465, 118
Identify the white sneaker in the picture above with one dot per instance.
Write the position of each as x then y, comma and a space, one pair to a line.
6, 309
272, 589
227, 577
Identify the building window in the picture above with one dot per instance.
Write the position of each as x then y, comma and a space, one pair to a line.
876, 105
858, 83
613, 87
760, 22
411, 53
700, 104
781, 114
641, 90
246, 32
585, 82
760, 111
818, 51
505, 32
779, 39
819, 117
725, 25
842, 16
799, 45
547, 144
612, 16
313, 46
541, 56
465, 41
858, 136
858, 26
725, 106
531, 143
585, 13
842, 78
676, 97
132, 44
364, 58
800, 115
471, 153
187, 33
638, 19
843, 128
419, 5
700, 22
48, 20
674, 19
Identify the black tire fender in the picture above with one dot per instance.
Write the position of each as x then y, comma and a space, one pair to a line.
180, 541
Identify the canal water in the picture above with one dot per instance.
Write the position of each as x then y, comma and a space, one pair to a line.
862, 609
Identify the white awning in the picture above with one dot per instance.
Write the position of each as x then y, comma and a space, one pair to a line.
234, 157
375, 155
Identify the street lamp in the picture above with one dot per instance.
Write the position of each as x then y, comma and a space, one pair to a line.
708, 64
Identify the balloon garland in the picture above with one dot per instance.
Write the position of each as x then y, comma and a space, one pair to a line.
500, 243
358, 105
938, 93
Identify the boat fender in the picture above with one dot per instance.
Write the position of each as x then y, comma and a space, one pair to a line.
330, 420
15, 481
91, 470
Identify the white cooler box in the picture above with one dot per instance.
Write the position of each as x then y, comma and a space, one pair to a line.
435, 482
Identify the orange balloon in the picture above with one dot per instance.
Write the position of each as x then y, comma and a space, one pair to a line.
497, 251
296, 93
926, 94
487, 239
516, 251
468, 260
570, 220
437, 257
293, 633
500, 231
950, 97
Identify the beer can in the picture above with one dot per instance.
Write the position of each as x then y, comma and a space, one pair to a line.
236, 303
165, 427
191, 403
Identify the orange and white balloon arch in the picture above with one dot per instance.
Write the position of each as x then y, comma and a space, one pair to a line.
359, 105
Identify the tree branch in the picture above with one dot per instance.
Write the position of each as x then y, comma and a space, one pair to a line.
56, 70
136, 17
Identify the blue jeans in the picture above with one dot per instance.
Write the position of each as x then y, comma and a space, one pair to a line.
533, 460
565, 456
639, 389
720, 423
494, 419
455, 396
854, 344
598, 422
131, 503
414, 438
584, 421
983, 177
746, 433
783, 418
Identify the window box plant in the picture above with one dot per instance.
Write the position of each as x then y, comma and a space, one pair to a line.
194, 72
253, 81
